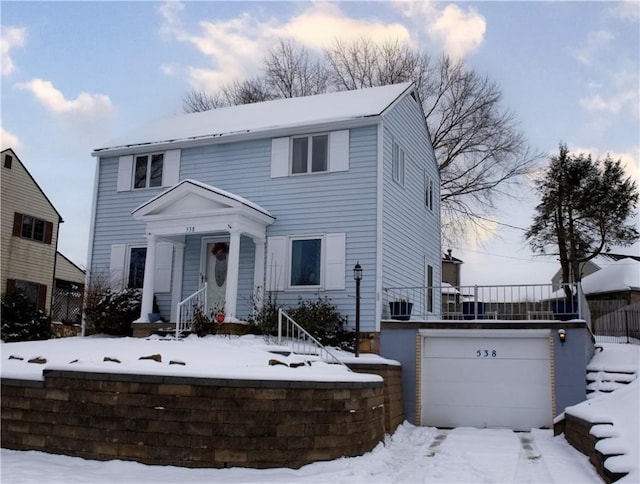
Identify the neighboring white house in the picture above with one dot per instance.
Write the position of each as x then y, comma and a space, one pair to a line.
282, 196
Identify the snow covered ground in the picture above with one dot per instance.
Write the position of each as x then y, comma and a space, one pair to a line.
411, 455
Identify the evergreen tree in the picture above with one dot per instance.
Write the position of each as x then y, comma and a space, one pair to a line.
585, 208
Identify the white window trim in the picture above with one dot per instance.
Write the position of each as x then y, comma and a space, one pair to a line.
148, 176
399, 162
289, 255
429, 192
310, 154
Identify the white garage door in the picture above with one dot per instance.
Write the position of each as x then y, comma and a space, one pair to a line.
486, 378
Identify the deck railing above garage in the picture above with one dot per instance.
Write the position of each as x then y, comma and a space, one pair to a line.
294, 336
519, 302
188, 308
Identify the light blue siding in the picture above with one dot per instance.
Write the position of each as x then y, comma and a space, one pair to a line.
304, 205
411, 231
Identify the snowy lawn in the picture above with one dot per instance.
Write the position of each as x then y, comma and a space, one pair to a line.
411, 454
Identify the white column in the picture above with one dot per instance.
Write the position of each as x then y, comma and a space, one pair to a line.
231, 295
176, 287
149, 277
258, 273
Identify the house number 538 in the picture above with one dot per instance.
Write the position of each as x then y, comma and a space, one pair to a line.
190, 229
486, 353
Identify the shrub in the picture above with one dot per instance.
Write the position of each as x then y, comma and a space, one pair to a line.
323, 321
204, 324
112, 312
21, 320
264, 319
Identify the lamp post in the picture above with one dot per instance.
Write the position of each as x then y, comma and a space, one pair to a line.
357, 275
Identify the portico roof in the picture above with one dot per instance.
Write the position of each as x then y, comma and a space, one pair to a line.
192, 207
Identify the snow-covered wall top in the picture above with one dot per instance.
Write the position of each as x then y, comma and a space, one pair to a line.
264, 116
622, 275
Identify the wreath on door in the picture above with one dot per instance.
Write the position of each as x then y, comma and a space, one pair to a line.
220, 251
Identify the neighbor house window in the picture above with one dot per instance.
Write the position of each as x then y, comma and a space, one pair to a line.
309, 154
33, 228
148, 171
306, 262
398, 164
34, 292
7, 161
428, 192
137, 258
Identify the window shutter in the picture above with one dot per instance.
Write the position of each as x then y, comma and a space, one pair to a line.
335, 253
17, 224
48, 232
42, 297
116, 266
125, 172
339, 150
164, 258
171, 168
279, 157
276, 258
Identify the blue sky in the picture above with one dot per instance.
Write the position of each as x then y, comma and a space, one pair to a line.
78, 74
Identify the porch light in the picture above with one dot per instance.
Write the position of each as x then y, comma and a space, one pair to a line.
562, 334
357, 276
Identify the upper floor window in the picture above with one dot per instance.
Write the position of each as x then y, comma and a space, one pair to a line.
148, 171
429, 192
309, 154
398, 164
8, 159
32, 228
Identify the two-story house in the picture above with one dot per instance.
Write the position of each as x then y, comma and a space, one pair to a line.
283, 196
29, 234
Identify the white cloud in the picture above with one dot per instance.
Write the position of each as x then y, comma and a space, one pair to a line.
621, 96
458, 32
11, 37
626, 10
595, 42
234, 45
8, 140
54, 100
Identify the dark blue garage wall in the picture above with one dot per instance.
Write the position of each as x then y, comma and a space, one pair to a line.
571, 360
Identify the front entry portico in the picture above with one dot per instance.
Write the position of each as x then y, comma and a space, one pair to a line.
194, 208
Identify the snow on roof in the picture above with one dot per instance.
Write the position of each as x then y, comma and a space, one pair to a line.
621, 275
264, 116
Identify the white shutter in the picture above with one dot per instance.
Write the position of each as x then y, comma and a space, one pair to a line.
116, 266
335, 254
125, 173
171, 168
279, 157
339, 150
164, 259
276, 263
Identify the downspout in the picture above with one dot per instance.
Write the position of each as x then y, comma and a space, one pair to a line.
55, 263
379, 221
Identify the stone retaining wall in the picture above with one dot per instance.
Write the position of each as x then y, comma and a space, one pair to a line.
578, 433
193, 422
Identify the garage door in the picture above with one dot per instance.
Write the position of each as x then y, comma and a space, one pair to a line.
486, 379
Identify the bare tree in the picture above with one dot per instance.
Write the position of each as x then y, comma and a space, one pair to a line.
290, 71
479, 147
195, 101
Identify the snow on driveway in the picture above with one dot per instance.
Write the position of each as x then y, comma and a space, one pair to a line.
411, 455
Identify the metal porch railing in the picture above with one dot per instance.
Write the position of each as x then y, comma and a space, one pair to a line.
517, 302
294, 336
187, 310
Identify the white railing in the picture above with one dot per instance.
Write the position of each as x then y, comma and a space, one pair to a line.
518, 302
294, 336
187, 310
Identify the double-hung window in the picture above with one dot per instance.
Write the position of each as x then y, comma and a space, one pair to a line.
148, 171
398, 164
306, 262
137, 259
429, 191
32, 228
309, 154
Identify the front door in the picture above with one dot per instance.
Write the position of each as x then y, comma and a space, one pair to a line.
217, 261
